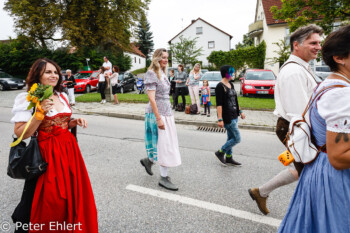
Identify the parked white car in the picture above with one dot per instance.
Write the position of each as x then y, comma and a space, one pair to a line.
213, 77
322, 71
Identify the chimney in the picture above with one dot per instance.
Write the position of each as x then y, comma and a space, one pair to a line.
193, 20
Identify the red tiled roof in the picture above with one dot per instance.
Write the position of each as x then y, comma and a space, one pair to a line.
267, 4
193, 21
134, 49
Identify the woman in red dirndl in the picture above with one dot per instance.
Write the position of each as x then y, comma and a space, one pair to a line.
61, 199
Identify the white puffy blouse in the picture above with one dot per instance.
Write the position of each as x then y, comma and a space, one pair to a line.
334, 106
21, 114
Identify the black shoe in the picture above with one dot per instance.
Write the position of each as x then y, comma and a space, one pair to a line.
204, 113
221, 156
148, 165
232, 162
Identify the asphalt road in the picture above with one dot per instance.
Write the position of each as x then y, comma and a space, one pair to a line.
211, 197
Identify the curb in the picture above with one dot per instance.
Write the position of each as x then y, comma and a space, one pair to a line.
195, 123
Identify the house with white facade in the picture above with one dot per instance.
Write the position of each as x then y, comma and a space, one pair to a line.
209, 37
266, 28
138, 59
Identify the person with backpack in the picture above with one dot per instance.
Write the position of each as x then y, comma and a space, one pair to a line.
321, 199
228, 112
293, 89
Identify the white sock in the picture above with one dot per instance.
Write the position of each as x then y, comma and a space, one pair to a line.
283, 178
151, 159
163, 171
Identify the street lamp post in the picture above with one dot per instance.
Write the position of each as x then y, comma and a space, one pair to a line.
87, 62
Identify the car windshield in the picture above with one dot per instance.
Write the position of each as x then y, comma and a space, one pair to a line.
323, 69
5, 75
82, 75
260, 75
120, 77
211, 76
94, 74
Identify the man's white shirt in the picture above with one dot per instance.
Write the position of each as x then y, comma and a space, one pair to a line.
108, 64
293, 89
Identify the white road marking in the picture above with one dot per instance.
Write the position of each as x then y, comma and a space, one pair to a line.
206, 205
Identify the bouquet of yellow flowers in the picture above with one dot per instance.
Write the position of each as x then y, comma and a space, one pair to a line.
37, 93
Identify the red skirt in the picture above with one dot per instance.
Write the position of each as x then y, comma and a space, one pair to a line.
63, 199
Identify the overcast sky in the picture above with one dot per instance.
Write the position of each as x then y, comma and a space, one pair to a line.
169, 17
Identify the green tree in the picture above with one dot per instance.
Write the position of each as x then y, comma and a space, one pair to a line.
85, 23
322, 12
145, 37
247, 41
185, 52
283, 53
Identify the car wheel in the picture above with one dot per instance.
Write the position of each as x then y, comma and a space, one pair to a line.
19, 88
2, 87
134, 87
121, 90
88, 89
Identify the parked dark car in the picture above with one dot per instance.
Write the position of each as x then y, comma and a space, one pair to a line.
127, 81
8, 82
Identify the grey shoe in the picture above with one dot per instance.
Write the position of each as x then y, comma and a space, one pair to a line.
165, 182
148, 165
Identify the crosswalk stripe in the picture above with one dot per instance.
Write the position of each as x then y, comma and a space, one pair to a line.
206, 205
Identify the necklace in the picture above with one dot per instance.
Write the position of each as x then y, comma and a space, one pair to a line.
343, 76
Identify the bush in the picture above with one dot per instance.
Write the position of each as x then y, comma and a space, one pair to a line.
253, 57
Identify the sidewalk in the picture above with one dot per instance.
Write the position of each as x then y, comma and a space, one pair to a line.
255, 120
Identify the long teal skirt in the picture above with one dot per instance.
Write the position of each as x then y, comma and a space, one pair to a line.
151, 136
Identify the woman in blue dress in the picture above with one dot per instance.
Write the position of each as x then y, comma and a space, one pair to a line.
321, 202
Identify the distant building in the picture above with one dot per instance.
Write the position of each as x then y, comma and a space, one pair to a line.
266, 28
210, 38
138, 59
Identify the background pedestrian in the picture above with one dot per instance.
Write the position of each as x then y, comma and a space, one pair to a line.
172, 86
70, 81
193, 85
205, 97
114, 83
180, 87
102, 84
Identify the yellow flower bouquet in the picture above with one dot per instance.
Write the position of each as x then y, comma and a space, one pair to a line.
37, 93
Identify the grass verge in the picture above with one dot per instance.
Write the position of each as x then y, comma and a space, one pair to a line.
250, 103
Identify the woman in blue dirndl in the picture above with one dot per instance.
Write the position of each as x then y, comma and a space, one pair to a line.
321, 202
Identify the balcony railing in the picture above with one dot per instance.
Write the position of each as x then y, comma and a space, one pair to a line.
256, 28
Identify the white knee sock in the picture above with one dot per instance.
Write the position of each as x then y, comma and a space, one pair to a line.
163, 171
283, 178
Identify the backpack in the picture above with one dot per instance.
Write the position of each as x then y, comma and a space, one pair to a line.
193, 109
187, 110
299, 138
